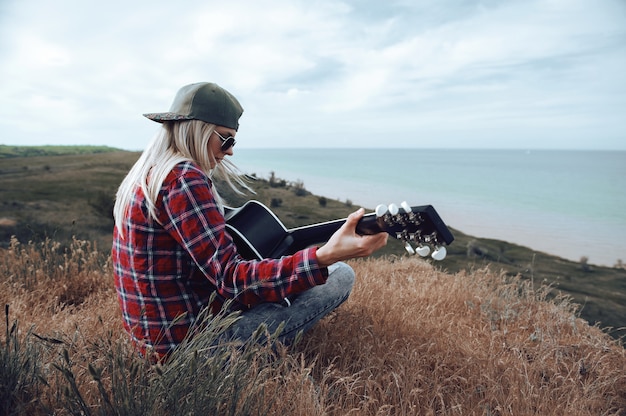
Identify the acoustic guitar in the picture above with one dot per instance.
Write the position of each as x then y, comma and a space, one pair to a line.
259, 234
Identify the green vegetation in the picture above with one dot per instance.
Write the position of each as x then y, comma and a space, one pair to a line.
28, 151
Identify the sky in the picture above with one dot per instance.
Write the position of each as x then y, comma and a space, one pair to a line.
521, 74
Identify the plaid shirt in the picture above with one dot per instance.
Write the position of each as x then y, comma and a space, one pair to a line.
169, 267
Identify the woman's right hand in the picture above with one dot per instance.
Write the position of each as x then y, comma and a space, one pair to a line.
346, 244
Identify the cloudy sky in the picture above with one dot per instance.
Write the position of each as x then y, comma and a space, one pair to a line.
321, 73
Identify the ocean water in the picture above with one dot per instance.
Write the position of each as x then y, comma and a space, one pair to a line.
567, 203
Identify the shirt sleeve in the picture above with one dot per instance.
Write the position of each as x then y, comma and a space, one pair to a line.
189, 212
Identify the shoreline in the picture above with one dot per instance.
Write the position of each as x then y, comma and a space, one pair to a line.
477, 219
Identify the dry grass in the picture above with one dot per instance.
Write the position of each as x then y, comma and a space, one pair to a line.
413, 340
410, 340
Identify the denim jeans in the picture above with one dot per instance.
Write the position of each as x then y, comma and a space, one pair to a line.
305, 310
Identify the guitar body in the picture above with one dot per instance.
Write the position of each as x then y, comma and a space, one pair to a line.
259, 234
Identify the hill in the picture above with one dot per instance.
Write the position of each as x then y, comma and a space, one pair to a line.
410, 340
61, 196
27, 151
414, 337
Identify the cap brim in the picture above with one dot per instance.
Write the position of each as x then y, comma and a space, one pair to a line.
161, 117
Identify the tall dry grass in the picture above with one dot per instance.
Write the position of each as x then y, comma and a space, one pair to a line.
414, 340
410, 340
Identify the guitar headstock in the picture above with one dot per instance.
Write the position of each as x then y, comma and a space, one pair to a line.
420, 228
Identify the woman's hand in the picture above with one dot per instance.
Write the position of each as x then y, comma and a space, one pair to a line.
345, 243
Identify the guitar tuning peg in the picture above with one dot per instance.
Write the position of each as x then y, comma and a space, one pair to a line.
409, 248
380, 210
423, 250
405, 206
393, 209
440, 253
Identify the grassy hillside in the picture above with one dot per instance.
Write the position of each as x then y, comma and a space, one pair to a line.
28, 151
60, 196
477, 334
410, 340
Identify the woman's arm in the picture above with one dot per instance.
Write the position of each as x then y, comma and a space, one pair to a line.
189, 212
345, 243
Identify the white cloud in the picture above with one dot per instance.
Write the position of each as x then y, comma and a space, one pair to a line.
462, 73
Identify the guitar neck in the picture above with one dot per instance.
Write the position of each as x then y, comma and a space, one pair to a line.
309, 235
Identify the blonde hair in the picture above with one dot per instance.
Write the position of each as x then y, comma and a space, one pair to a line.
175, 142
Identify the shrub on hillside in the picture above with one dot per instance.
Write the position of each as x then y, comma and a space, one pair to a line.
102, 204
299, 189
275, 182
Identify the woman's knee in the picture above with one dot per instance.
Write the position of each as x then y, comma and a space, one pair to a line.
342, 276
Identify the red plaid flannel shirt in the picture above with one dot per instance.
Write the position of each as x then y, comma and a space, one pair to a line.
168, 267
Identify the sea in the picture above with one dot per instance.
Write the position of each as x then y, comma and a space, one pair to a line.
571, 204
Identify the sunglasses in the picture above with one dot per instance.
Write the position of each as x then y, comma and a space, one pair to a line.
227, 142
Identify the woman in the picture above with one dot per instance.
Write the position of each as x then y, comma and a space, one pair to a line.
171, 251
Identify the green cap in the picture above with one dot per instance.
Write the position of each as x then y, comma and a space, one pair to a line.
204, 101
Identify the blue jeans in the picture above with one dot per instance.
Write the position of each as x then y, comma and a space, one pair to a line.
305, 310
